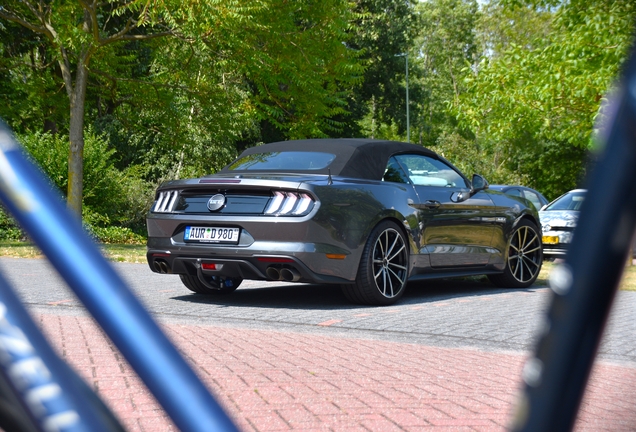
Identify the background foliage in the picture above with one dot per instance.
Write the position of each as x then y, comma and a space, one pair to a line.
544, 85
511, 89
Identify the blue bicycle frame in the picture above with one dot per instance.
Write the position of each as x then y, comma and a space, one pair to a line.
50, 393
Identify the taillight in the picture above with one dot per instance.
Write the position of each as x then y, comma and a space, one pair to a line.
165, 202
289, 204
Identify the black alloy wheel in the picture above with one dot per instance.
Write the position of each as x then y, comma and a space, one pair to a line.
219, 284
383, 270
525, 256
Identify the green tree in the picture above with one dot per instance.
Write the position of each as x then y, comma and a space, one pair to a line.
381, 32
445, 45
299, 70
533, 100
115, 202
500, 26
28, 84
175, 84
76, 33
268, 71
552, 88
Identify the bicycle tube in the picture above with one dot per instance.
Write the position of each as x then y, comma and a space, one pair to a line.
47, 394
584, 286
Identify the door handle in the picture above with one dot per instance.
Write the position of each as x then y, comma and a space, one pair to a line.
432, 204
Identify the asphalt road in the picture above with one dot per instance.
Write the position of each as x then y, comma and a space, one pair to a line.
446, 313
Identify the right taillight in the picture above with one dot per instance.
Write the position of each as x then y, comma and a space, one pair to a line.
289, 204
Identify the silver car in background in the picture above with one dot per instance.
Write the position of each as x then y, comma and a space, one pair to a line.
558, 220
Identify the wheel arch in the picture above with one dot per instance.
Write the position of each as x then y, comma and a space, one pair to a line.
529, 218
408, 236
365, 289
403, 229
527, 262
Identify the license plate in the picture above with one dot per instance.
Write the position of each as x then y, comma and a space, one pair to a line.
550, 239
211, 234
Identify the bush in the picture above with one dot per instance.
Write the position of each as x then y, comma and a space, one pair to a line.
115, 202
550, 167
101, 228
9, 229
471, 158
97, 226
111, 197
120, 235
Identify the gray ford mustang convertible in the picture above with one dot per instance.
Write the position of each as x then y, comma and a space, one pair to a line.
368, 215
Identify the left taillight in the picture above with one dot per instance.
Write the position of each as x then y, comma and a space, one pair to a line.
165, 201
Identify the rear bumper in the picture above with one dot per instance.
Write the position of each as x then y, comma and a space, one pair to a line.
258, 267
251, 259
555, 251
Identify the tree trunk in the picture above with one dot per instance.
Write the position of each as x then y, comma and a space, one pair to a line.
76, 138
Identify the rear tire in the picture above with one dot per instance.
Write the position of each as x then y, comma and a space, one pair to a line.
383, 270
525, 256
225, 285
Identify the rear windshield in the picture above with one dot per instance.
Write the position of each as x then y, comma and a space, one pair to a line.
570, 201
283, 161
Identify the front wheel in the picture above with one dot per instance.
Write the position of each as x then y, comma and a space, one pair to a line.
217, 284
525, 256
381, 278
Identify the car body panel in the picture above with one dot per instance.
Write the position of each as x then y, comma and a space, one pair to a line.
455, 234
533, 196
509, 211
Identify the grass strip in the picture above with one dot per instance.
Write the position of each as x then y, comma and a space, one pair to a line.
628, 283
112, 252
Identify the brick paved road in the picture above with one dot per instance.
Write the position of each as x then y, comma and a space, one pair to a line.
284, 357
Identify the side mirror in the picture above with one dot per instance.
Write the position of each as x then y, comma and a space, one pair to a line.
478, 183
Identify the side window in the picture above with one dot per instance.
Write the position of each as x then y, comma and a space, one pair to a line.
533, 198
514, 192
394, 172
428, 171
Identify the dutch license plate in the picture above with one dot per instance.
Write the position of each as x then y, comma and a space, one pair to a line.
211, 234
550, 239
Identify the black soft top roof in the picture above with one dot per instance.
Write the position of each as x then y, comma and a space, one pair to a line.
355, 157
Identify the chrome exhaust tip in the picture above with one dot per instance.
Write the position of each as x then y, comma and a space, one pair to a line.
273, 273
161, 266
164, 267
290, 274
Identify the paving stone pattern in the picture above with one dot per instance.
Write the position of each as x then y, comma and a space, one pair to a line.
282, 357
270, 380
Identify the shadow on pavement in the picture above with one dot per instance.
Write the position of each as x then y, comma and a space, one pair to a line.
316, 296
